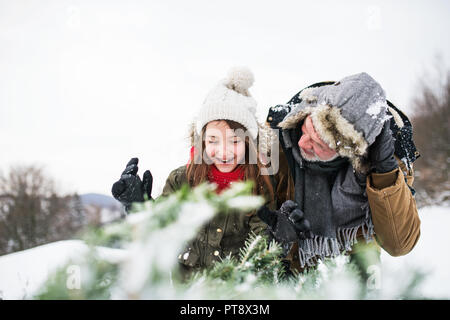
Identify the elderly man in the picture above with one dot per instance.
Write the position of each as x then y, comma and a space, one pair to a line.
353, 180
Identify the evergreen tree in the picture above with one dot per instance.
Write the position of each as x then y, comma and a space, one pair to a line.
137, 259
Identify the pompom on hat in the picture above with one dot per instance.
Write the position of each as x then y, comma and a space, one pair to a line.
231, 100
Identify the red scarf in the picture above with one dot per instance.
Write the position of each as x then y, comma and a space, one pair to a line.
222, 179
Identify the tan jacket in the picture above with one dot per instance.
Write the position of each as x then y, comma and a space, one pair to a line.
394, 216
394, 211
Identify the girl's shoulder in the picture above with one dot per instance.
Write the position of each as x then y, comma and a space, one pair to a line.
175, 180
178, 172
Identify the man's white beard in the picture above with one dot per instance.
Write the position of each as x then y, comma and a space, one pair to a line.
315, 157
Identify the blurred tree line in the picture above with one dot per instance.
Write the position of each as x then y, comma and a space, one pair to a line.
32, 213
431, 125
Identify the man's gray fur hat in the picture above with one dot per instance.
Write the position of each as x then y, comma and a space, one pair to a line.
348, 115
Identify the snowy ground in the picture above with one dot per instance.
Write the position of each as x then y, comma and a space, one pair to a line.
431, 254
21, 273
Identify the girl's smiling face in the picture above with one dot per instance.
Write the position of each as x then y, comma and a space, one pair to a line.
311, 146
223, 147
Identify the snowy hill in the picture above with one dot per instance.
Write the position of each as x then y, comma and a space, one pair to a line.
100, 200
22, 273
101, 208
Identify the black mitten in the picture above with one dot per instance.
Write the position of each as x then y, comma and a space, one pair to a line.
287, 224
130, 188
381, 152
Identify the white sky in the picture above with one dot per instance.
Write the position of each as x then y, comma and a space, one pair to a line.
86, 85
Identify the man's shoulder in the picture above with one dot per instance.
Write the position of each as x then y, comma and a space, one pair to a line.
276, 114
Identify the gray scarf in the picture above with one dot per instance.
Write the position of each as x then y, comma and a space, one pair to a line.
333, 198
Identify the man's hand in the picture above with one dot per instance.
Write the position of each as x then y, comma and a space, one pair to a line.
287, 224
381, 152
130, 188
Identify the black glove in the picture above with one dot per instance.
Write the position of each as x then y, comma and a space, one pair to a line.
287, 224
130, 188
381, 152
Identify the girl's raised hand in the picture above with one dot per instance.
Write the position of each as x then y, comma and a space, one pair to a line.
129, 188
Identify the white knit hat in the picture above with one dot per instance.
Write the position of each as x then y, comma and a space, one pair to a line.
230, 100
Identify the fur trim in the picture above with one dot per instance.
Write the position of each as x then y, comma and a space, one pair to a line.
193, 133
339, 134
267, 138
335, 130
307, 95
291, 121
398, 120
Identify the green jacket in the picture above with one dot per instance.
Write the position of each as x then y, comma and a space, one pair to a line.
225, 233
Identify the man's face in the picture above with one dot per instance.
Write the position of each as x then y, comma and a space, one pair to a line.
311, 146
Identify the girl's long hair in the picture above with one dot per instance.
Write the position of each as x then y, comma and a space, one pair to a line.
198, 169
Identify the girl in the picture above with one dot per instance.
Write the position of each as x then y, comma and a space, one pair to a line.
224, 150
